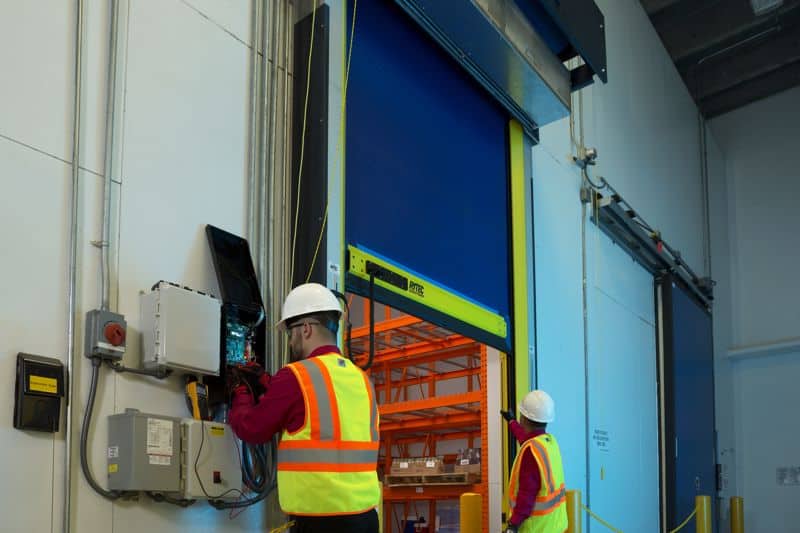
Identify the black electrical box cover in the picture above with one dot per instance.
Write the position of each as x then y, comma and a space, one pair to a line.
241, 301
236, 275
40, 387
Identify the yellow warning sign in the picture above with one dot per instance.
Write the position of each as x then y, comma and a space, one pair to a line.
112, 468
218, 431
43, 384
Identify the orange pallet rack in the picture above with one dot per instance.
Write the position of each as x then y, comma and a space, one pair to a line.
412, 359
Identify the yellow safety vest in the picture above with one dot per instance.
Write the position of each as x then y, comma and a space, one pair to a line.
549, 513
329, 466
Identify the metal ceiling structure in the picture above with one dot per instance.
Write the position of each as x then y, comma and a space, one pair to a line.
728, 55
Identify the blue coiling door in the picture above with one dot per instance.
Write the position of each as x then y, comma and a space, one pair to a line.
426, 173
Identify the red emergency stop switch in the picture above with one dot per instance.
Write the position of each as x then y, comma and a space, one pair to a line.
217, 477
114, 333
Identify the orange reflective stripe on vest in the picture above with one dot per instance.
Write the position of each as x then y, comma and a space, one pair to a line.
548, 505
543, 459
332, 406
310, 399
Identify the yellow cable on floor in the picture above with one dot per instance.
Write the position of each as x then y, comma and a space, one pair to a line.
284, 527
609, 526
615, 530
685, 521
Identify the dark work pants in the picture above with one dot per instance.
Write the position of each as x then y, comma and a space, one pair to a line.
359, 523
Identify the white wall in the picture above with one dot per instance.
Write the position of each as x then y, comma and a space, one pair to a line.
645, 127
723, 375
760, 143
760, 194
183, 140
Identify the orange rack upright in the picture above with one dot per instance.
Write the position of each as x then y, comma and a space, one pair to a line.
431, 388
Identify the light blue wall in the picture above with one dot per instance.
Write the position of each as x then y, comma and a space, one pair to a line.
756, 203
760, 146
723, 328
623, 400
646, 129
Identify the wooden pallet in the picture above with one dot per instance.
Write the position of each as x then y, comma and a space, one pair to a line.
405, 480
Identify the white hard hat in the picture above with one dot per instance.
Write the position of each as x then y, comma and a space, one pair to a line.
306, 299
538, 406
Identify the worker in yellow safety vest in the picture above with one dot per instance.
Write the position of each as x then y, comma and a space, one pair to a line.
325, 408
536, 484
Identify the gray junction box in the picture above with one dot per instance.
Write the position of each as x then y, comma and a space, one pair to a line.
210, 459
143, 452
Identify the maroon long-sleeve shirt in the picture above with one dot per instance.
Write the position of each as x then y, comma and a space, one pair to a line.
280, 407
530, 479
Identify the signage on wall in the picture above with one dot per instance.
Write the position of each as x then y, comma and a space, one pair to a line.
601, 440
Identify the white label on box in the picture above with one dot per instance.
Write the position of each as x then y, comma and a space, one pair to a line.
430, 464
420, 490
113, 452
161, 460
403, 465
464, 462
159, 437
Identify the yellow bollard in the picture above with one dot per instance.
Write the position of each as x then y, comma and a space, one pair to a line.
470, 512
737, 514
574, 514
380, 515
703, 518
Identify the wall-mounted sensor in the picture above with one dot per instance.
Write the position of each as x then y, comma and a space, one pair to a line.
40, 387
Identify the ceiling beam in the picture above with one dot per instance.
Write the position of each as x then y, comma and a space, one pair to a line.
721, 40
654, 6
679, 12
748, 63
771, 83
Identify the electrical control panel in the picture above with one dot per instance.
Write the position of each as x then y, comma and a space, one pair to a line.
106, 334
143, 452
210, 461
180, 329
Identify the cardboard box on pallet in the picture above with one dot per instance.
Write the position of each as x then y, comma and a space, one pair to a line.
468, 461
401, 466
417, 466
430, 465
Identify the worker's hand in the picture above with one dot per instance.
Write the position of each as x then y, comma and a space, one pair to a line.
232, 380
263, 380
508, 415
251, 374
241, 395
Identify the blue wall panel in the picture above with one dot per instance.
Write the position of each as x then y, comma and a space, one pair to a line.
426, 167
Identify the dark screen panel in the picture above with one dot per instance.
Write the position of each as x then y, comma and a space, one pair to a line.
233, 265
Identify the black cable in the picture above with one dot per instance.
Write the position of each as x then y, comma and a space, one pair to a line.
163, 498
197, 472
348, 325
87, 421
371, 321
268, 488
268, 484
603, 182
253, 467
154, 373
